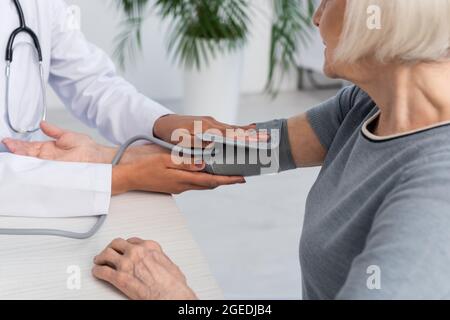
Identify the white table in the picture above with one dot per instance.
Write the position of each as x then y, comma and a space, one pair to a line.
37, 267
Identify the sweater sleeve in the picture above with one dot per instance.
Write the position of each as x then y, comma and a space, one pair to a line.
327, 117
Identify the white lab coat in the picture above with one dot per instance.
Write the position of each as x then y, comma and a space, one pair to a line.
85, 80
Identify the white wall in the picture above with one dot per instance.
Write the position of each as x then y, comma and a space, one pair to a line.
153, 73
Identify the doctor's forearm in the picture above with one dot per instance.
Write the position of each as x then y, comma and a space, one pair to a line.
135, 176
131, 176
121, 182
139, 175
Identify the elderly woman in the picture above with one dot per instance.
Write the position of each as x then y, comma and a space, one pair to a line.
377, 221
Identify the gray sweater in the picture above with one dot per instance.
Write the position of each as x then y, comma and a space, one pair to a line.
377, 222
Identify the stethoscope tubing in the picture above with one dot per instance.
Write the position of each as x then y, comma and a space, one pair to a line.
9, 55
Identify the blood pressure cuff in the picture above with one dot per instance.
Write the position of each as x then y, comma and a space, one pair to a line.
263, 158
286, 160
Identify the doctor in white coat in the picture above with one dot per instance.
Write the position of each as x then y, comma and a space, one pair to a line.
84, 78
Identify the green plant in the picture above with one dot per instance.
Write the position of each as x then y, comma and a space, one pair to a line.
199, 29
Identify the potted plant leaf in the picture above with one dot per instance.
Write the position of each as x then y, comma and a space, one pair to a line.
207, 37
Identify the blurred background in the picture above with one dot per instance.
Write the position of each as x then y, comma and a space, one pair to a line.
249, 233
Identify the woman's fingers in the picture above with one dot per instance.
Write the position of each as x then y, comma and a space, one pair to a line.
120, 245
126, 283
135, 240
109, 257
105, 273
144, 272
52, 131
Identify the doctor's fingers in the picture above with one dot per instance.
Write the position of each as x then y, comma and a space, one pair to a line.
243, 133
211, 123
184, 163
23, 148
240, 133
208, 181
52, 131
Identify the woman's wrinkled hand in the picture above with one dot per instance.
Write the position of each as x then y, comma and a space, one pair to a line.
142, 271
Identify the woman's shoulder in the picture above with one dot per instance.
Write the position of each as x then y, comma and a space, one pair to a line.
353, 94
355, 102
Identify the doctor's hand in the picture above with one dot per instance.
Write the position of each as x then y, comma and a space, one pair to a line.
185, 129
67, 146
72, 146
163, 172
142, 271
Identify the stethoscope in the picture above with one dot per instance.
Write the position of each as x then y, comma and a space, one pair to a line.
9, 58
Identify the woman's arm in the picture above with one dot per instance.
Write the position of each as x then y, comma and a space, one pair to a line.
306, 149
311, 134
